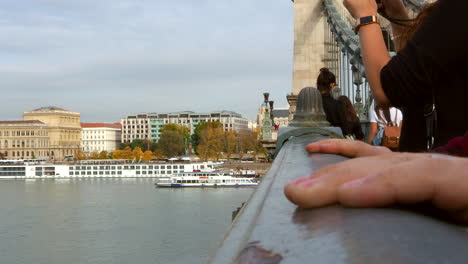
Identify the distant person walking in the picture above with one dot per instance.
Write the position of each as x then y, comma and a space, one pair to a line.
379, 118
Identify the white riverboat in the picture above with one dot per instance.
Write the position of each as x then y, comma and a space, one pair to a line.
37, 169
206, 179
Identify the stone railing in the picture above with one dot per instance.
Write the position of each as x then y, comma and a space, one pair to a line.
270, 229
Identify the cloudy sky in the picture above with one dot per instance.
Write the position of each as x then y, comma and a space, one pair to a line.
110, 58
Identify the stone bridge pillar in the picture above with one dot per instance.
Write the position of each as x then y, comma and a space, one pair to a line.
309, 47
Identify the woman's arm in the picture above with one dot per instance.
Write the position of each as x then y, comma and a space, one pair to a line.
372, 132
373, 50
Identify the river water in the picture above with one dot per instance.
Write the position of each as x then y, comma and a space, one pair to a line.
98, 221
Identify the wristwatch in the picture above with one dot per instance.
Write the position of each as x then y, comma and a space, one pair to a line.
367, 20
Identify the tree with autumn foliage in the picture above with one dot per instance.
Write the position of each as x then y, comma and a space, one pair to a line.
80, 155
247, 141
198, 130
230, 143
211, 142
103, 155
94, 155
137, 153
147, 155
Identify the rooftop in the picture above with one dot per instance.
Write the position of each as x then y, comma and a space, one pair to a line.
95, 125
21, 122
50, 108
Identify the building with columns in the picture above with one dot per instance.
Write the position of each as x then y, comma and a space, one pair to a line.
100, 137
63, 129
22, 139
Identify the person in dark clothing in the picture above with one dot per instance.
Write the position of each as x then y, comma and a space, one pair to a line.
351, 118
431, 68
334, 109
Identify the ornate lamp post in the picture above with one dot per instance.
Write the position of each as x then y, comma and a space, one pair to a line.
357, 80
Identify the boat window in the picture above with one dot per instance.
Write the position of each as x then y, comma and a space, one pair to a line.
163, 167
94, 172
143, 167
132, 167
179, 181
88, 172
113, 172
156, 167
143, 172
138, 172
150, 172
150, 167
113, 167
101, 173
82, 173
94, 167
119, 167
107, 172
125, 167
88, 168
71, 173
71, 168
101, 167
163, 172
119, 172
181, 166
169, 172
169, 166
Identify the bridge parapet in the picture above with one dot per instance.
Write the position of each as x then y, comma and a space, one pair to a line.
270, 229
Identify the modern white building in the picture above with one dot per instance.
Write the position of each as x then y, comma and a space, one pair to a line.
148, 125
100, 136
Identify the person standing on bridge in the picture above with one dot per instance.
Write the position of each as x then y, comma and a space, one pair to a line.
431, 68
334, 109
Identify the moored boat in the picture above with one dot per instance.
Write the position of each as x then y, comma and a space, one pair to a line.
206, 179
38, 169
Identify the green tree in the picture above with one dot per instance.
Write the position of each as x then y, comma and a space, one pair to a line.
143, 144
171, 143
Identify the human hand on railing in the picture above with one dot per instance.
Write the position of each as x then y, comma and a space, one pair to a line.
361, 8
345, 147
394, 178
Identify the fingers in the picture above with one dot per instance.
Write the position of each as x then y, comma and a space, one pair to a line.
443, 182
348, 148
320, 188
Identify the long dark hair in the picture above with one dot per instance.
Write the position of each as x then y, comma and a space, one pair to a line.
325, 78
351, 115
386, 112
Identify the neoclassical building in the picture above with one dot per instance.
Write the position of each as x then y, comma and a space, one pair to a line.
24, 139
63, 128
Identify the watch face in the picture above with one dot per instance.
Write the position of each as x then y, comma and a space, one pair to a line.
367, 19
